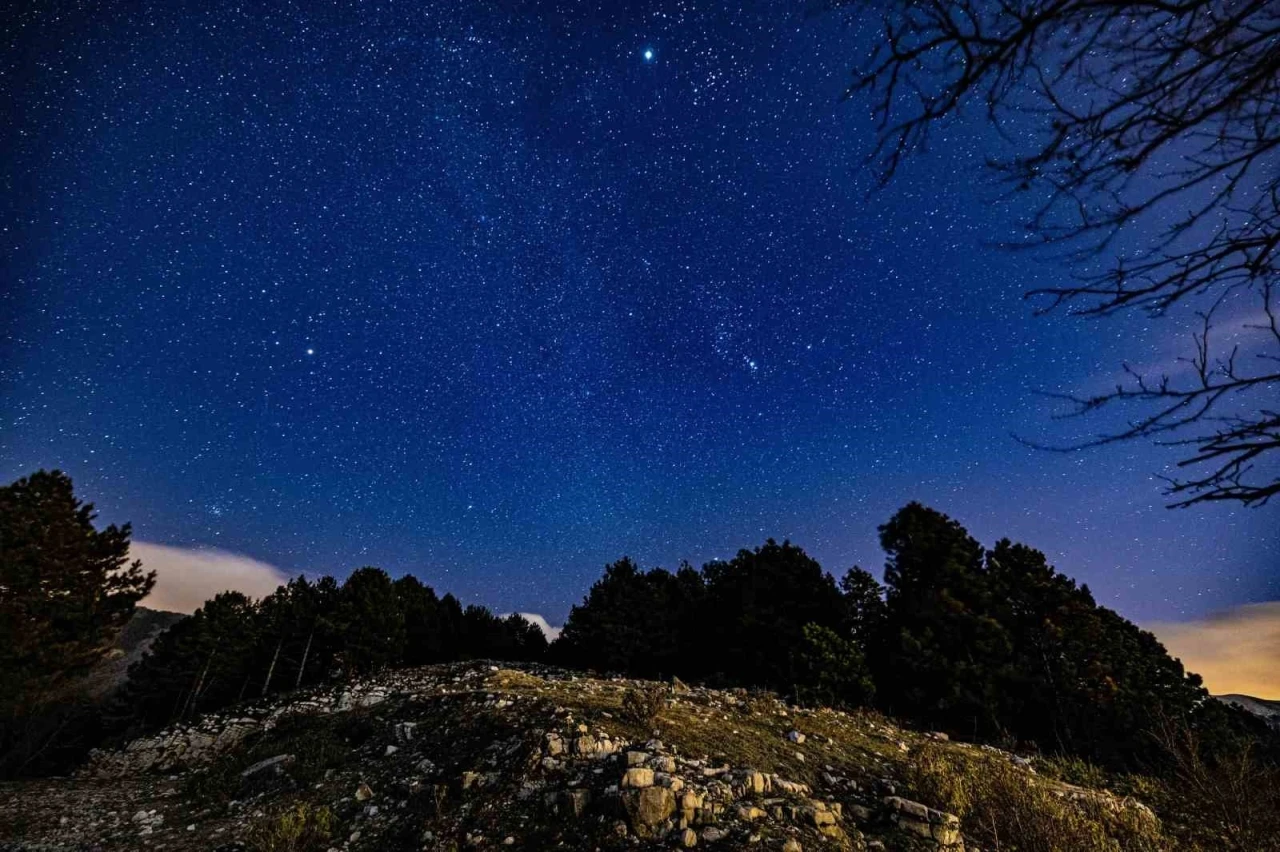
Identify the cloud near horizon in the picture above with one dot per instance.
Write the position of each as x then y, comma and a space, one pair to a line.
541, 623
186, 577
1235, 651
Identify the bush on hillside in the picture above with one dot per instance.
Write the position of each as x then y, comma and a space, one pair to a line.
1002, 808
642, 706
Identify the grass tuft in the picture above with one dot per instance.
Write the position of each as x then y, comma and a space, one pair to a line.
1003, 807
300, 828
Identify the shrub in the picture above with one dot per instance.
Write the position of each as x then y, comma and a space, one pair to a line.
1227, 800
1073, 770
642, 706
301, 828
1007, 808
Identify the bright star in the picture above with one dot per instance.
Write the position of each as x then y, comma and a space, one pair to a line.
311, 351
648, 54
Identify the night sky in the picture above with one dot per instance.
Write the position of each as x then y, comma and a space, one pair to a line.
498, 294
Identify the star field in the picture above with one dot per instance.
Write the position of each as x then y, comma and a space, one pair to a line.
496, 294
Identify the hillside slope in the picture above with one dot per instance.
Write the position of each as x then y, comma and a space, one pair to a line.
476, 756
1260, 707
129, 647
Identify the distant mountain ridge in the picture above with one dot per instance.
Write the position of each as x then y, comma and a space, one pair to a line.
134, 640
1260, 707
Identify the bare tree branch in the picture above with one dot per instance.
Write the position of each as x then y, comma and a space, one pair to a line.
1154, 173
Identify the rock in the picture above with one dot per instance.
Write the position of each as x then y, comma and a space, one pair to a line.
688, 838
555, 745
820, 817
276, 764
755, 782
636, 758
792, 845
572, 802
749, 813
940, 827
711, 834
390, 751
662, 779
790, 788
796, 737
664, 763
364, 792
404, 731
647, 808
638, 776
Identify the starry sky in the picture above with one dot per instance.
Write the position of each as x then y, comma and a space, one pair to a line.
498, 293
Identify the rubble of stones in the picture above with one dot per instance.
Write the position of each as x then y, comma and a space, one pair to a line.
215, 734
657, 794
461, 760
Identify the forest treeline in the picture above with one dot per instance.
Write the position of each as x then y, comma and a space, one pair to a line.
988, 644
66, 590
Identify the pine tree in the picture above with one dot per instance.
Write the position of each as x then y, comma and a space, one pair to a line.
66, 590
371, 622
202, 663
942, 656
758, 603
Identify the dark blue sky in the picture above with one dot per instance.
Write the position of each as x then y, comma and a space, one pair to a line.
495, 296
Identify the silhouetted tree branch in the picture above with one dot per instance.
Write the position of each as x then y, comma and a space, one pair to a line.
1154, 165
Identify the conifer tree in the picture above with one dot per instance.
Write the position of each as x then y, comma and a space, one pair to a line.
66, 590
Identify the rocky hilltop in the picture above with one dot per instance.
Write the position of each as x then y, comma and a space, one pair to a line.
479, 756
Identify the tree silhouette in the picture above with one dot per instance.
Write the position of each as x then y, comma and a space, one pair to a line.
1149, 136
66, 590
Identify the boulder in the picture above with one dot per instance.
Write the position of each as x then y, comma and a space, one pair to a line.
942, 828
638, 776
664, 763
276, 764
647, 808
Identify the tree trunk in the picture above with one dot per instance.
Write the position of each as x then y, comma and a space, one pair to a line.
195, 693
303, 665
266, 684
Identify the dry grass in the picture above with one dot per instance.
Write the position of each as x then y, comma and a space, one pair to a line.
1005, 808
642, 706
300, 828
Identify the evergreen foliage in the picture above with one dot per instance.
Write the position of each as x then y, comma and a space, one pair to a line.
232, 648
635, 621
66, 590
988, 644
